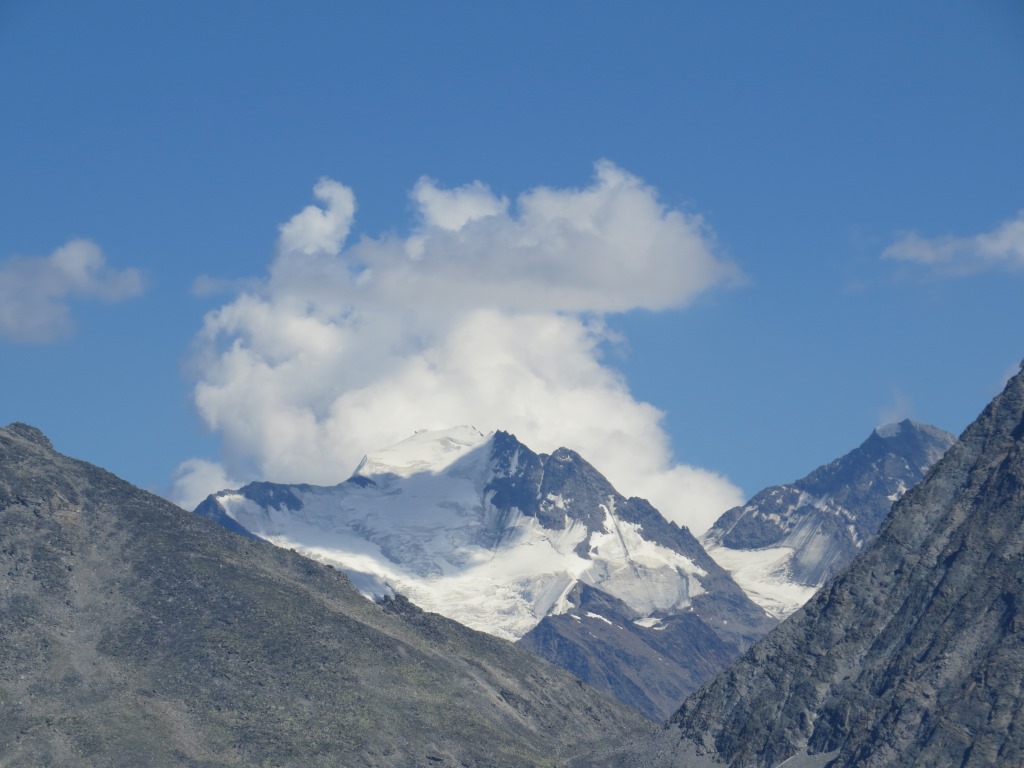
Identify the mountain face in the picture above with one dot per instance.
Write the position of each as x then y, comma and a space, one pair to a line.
652, 664
913, 656
525, 546
788, 540
134, 633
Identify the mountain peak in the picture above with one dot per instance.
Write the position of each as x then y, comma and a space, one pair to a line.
897, 427
910, 427
920, 444
431, 451
788, 540
30, 433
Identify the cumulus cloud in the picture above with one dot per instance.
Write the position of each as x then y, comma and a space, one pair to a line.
35, 292
488, 313
1002, 248
320, 230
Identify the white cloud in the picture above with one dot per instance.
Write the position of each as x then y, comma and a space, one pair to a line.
317, 230
488, 313
35, 292
452, 209
193, 480
1002, 248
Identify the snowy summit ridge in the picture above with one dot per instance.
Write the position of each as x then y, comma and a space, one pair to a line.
479, 528
426, 451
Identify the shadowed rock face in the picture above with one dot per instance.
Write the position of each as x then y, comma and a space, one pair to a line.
914, 656
134, 633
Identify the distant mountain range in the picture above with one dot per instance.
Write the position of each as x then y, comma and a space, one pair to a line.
541, 549
788, 540
914, 655
133, 633
531, 547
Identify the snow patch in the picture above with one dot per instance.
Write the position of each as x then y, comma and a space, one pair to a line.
651, 622
563, 604
430, 451
900, 490
764, 575
646, 576
557, 501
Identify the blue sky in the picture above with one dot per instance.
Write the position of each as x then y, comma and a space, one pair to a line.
853, 174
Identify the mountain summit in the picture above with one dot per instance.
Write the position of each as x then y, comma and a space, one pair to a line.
481, 529
788, 540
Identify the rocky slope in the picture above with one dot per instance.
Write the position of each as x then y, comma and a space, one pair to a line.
134, 633
913, 656
651, 664
788, 540
525, 546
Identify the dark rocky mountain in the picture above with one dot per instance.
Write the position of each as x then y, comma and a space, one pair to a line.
913, 656
788, 540
535, 547
135, 633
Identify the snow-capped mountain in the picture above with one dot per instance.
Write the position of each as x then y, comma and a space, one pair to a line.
479, 528
788, 540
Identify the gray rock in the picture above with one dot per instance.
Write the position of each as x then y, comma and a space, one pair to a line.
30, 433
652, 666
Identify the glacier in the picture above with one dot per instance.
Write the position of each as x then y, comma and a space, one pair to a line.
420, 518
